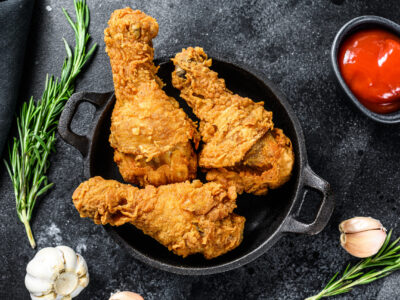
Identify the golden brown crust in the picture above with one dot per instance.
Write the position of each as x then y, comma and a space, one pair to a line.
229, 124
242, 148
268, 165
187, 218
146, 124
177, 165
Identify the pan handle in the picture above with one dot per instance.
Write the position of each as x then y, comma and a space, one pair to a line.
80, 142
313, 181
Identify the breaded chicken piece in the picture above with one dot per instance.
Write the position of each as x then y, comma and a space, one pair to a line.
151, 135
241, 146
229, 124
187, 218
268, 165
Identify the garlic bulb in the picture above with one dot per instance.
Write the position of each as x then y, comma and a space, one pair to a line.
362, 236
126, 296
56, 273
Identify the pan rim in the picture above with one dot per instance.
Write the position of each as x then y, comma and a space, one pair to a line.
273, 237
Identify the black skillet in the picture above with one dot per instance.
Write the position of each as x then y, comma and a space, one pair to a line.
267, 217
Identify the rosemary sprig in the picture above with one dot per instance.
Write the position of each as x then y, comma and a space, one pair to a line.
37, 123
386, 261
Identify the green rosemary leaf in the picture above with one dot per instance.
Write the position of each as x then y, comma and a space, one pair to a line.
37, 123
354, 276
44, 189
70, 20
385, 262
385, 244
347, 269
333, 278
338, 292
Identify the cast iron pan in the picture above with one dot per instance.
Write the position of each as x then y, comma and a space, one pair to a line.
267, 217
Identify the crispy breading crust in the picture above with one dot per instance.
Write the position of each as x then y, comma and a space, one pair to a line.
229, 124
187, 218
148, 129
268, 165
242, 147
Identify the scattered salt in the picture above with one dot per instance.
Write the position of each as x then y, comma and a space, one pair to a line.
52, 235
81, 247
48, 8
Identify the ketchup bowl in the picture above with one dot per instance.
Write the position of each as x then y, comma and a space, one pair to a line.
351, 27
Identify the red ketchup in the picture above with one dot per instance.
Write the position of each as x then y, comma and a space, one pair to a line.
370, 64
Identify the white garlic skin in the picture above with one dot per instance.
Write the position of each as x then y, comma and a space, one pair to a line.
358, 224
126, 296
362, 236
56, 274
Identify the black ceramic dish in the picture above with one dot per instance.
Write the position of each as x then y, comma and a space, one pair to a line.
267, 217
359, 23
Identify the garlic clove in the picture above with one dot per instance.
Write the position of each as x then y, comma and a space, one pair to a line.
51, 296
77, 291
38, 286
363, 244
66, 283
358, 224
47, 263
84, 281
126, 296
81, 270
70, 259
81, 266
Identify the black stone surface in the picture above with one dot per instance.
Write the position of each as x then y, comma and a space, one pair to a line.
290, 42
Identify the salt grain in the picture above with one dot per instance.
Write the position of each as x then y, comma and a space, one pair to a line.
81, 248
51, 235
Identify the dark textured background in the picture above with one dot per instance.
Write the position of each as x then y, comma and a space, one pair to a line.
15, 19
290, 42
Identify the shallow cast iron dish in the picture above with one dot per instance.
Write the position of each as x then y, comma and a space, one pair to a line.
267, 217
356, 24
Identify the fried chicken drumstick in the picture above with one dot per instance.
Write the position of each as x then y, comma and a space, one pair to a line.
150, 134
187, 218
241, 145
